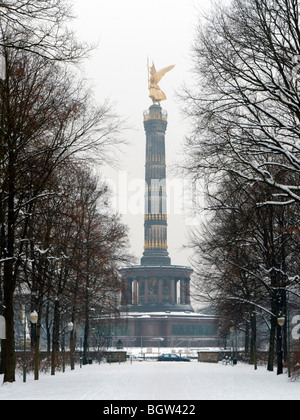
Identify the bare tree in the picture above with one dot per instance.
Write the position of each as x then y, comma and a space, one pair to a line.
246, 260
40, 27
245, 112
245, 107
46, 117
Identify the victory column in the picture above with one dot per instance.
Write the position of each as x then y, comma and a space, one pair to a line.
156, 295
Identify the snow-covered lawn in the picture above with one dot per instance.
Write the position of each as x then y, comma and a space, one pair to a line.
151, 380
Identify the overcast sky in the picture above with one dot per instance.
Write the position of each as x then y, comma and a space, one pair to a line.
127, 32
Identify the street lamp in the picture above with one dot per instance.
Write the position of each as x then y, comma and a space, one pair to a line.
33, 319
281, 322
69, 327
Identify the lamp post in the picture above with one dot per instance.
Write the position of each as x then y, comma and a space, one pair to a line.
281, 322
233, 331
159, 340
69, 327
81, 352
33, 319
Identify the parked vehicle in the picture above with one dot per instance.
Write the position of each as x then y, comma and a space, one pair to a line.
171, 357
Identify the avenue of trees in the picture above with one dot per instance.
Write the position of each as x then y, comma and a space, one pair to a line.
245, 144
60, 244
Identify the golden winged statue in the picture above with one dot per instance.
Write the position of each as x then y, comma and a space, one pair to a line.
154, 77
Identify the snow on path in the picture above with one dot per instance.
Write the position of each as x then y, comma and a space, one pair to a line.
157, 382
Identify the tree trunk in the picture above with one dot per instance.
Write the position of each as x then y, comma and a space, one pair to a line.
37, 342
271, 357
72, 348
253, 355
48, 332
8, 345
55, 337
247, 341
9, 278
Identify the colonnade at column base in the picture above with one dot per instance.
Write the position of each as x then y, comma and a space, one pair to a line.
156, 288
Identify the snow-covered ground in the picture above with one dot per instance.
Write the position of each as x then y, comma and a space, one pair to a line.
152, 380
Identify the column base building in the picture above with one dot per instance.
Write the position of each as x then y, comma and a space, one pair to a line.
157, 288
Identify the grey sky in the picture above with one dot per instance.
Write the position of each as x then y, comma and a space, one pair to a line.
128, 32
